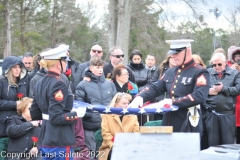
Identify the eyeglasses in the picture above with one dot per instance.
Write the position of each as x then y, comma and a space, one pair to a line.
118, 56
96, 51
215, 65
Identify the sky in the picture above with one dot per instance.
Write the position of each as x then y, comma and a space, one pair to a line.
101, 7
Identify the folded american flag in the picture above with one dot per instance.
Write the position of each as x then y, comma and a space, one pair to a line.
112, 110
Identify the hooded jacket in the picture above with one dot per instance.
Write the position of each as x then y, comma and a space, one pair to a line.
8, 92
231, 51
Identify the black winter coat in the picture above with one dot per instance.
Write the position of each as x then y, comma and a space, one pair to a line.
75, 75
97, 91
20, 133
8, 92
141, 73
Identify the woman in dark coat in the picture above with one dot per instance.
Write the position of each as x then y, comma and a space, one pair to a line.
142, 76
23, 133
140, 72
13, 86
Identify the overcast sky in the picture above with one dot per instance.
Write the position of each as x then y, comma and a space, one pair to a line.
178, 6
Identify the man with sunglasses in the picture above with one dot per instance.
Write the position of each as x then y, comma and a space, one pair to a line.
187, 86
96, 51
220, 104
116, 57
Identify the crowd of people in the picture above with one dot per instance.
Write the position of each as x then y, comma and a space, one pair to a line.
38, 120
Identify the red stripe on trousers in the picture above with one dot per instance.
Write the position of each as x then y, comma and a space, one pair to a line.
67, 153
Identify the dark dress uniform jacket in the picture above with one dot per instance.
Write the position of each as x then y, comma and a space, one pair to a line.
186, 85
20, 134
8, 92
39, 75
51, 97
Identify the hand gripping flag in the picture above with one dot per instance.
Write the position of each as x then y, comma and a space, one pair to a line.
152, 109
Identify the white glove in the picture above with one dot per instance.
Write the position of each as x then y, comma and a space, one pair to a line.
80, 111
136, 103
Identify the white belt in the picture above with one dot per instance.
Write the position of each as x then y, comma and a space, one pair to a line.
45, 116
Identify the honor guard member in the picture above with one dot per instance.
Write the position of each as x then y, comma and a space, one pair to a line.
187, 86
53, 104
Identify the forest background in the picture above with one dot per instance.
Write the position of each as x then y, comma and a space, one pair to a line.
34, 25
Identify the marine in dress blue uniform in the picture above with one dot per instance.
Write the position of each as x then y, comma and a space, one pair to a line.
187, 86
53, 103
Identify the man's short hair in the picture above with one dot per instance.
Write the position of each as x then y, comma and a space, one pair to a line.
151, 54
96, 62
113, 48
27, 54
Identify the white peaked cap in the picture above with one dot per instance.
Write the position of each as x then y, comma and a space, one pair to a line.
56, 53
178, 45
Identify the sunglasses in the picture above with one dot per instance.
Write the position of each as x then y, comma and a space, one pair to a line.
96, 51
118, 56
219, 64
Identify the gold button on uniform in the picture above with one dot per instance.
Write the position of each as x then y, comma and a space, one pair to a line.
176, 81
174, 86
179, 70
172, 92
178, 76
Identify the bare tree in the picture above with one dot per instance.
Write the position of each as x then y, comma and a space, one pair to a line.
122, 19
233, 20
7, 49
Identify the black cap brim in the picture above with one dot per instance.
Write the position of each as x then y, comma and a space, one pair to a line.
176, 50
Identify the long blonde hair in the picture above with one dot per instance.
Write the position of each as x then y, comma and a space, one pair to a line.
163, 64
198, 58
118, 97
11, 79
